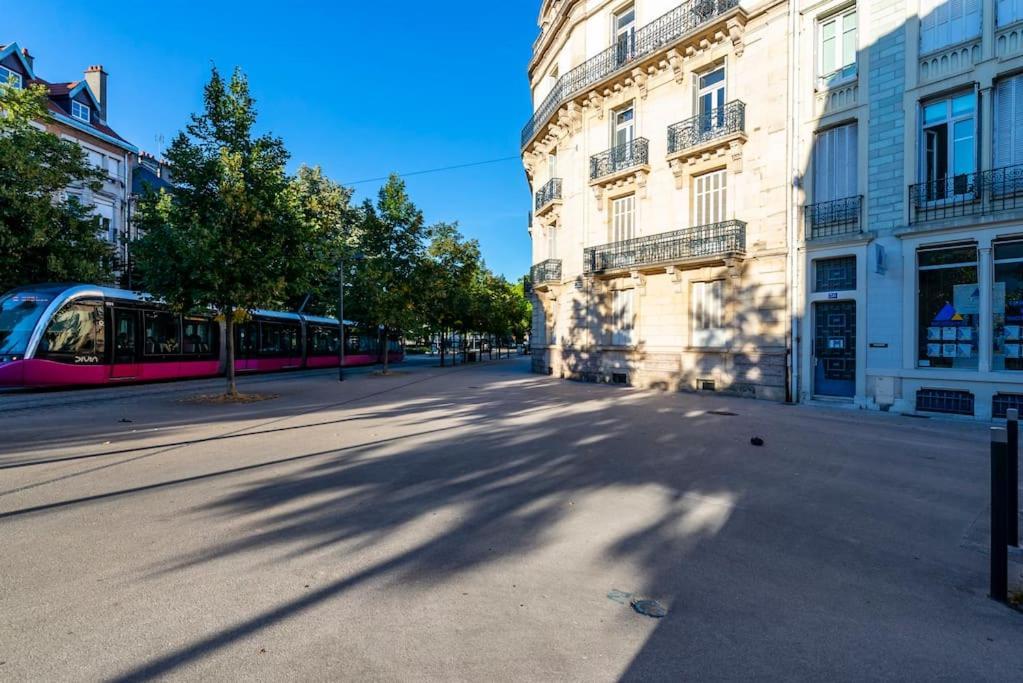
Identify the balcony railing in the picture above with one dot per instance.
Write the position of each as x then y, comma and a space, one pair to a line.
620, 158
548, 193
710, 125
546, 272
967, 194
718, 240
833, 218
662, 31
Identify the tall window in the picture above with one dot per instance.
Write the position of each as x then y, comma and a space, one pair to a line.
1008, 142
710, 99
1007, 306
624, 27
6, 75
948, 145
623, 318
552, 242
710, 198
948, 308
707, 304
947, 22
834, 164
623, 218
552, 165
624, 126
836, 47
1009, 11
80, 111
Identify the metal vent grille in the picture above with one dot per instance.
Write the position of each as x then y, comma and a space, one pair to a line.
944, 401
1003, 402
707, 385
619, 378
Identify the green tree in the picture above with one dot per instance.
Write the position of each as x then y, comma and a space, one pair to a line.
332, 224
42, 236
232, 237
449, 269
390, 244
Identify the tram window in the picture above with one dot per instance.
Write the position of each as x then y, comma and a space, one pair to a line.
162, 334
246, 337
289, 340
77, 329
322, 341
270, 338
197, 337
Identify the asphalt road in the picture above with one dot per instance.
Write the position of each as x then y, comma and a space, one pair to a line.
469, 523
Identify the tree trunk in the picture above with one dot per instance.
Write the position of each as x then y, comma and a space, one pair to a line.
442, 348
232, 386
386, 347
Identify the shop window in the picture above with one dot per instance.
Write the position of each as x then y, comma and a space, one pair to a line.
835, 274
1007, 307
948, 307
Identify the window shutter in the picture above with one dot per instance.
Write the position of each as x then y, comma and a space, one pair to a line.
1004, 133
835, 164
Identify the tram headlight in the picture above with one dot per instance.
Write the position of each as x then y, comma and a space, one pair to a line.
7, 359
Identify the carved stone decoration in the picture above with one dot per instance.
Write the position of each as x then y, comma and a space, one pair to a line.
678, 169
735, 33
639, 281
677, 64
675, 274
735, 149
598, 192
596, 102
641, 179
640, 79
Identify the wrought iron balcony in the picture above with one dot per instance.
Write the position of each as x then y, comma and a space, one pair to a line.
620, 158
546, 272
550, 192
704, 242
967, 194
833, 218
657, 35
710, 125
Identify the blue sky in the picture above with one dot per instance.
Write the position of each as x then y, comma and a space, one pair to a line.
362, 89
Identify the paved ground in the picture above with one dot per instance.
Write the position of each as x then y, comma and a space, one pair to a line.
468, 524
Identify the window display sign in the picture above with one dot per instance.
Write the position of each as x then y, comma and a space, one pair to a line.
949, 307
1007, 307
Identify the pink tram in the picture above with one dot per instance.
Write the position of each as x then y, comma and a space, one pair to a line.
58, 335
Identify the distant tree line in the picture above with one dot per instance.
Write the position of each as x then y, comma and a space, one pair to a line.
238, 232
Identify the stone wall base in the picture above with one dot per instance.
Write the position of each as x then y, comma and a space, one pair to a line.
759, 374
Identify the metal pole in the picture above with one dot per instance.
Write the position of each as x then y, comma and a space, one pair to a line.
999, 547
341, 322
1012, 476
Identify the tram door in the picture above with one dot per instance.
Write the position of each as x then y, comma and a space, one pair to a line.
125, 343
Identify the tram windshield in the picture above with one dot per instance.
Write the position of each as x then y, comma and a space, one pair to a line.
20, 311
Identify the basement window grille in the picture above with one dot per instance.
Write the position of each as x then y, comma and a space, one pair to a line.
1001, 403
708, 385
944, 401
619, 378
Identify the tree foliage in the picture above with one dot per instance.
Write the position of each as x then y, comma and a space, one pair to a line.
232, 237
45, 234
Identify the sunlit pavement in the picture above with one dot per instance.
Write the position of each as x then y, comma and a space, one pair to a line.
469, 523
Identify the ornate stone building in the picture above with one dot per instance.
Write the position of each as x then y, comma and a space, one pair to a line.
660, 161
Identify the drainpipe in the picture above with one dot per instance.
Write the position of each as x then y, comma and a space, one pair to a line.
790, 209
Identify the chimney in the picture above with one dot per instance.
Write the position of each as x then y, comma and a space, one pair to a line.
96, 77
29, 58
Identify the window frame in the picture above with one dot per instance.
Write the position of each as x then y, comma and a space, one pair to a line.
703, 335
845, 74
623, 304
950, 121
616, 227
76, 111
5, 76
703, 204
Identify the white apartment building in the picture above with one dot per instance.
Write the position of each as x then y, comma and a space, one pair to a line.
820, 201
660, 164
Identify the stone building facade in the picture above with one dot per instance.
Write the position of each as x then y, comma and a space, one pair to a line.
911, 266
660, 165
